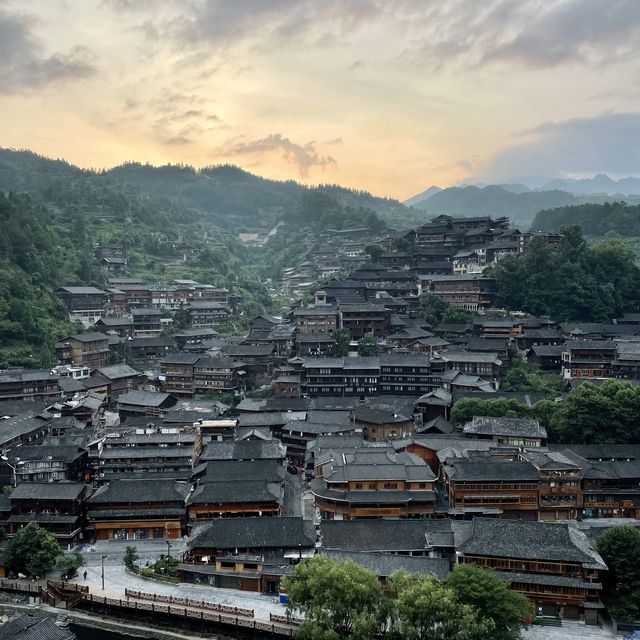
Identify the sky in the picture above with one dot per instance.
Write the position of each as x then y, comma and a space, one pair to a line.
390, 96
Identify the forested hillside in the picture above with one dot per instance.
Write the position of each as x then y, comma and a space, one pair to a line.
595, 219
35, 257
173, 221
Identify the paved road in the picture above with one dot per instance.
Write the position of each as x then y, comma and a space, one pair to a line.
116, 580
568, 631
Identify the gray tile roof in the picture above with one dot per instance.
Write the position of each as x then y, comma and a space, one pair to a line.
385, 535
147, 490
226, 491
253, 533
517, 427
488, 469
521, 539
81, 290
34, 626
244, 450
384, 564
117, 371
231, 470
380, 416
48, 491
550, 580
143, 398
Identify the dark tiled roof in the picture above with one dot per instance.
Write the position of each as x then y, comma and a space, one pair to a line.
379, 416
547, 350
225, 491
527, 540
269, 470
116, 371
384, 564
180, 358
48, 491
143, 398
481, 469
550, 580
141, 491
518, 427
91, 336
385, 535
253, 533
248, 350
244, 450
81, 290
34, 626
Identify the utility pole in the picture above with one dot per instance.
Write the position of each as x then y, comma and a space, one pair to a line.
103, 559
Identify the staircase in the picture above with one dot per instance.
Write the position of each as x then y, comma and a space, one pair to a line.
547, 621
61, 593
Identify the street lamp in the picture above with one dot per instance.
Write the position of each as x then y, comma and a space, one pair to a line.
168, 549
13, 467
103, 559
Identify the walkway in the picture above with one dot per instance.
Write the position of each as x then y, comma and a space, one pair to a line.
568, 631
116, 580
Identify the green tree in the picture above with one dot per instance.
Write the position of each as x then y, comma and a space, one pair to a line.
342, 338
32, 551
337, 599
620, 549
527, 378
598, 414
368, 346
69, 564
466, 408
502, 610
574, 281
432, 308
425, 609
374, 251
130, 557
456, 315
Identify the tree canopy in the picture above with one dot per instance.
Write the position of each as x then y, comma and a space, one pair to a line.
604, 413
32, 551
598, 414
595, 219
345, 600
368, 346
620, 549
424, 609
337, 599
574, 281
500, 609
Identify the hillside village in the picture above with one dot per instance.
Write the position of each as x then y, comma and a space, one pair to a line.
331, 429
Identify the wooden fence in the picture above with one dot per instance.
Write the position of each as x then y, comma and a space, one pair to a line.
188, 602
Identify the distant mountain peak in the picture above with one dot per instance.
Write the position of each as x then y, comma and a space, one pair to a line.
599, 183
421, 197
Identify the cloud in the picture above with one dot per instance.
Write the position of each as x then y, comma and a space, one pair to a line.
525, 32
609, 142
221, 24
23, 64
426, 33
304, 157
